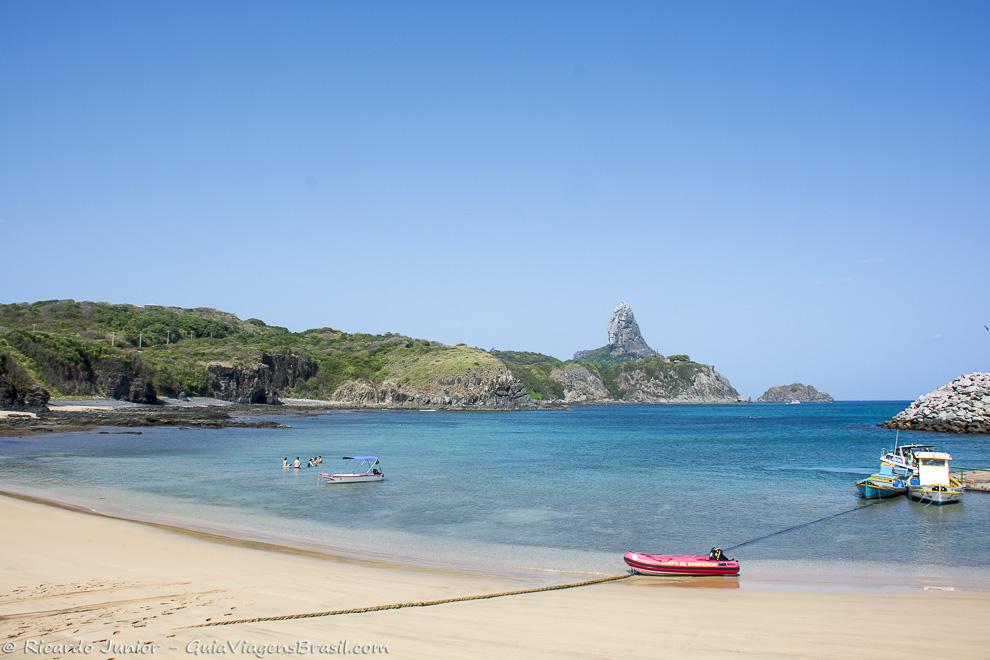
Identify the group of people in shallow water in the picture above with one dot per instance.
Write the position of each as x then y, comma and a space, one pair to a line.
296, 464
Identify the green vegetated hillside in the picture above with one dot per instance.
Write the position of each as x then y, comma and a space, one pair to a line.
73, 348
134, 353
533, 369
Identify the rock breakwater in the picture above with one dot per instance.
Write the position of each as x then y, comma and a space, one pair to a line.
961, 406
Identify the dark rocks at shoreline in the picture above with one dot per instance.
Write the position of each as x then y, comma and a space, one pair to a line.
128, 387
961, 406
795, 392
36, 398
30, 399
258, 383
137, 416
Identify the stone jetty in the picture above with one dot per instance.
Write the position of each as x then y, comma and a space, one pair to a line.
962, 406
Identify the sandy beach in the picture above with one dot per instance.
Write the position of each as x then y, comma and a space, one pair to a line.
69, 579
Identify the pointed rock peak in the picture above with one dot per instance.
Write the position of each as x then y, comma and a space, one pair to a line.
624, 337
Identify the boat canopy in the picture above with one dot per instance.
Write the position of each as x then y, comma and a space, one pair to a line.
933, 455
360, 458
914, 448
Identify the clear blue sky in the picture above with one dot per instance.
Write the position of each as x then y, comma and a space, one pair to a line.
793, 191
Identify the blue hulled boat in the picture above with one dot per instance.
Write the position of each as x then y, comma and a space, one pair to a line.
882, 484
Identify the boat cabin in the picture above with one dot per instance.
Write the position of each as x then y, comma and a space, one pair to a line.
933, 468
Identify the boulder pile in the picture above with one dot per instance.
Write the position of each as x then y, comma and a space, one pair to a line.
962, 406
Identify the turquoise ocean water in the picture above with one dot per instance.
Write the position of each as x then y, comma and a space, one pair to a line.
558, 488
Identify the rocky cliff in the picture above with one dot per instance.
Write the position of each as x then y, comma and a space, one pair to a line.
624, 337
659, 381
962, 406
258, 382
795, 392
458, 377
72, 367
580, 384
628, 370
17, 392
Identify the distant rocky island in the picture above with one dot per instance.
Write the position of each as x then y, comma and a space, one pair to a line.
628, 370
795, 392
962, 406
624, 338
152, 355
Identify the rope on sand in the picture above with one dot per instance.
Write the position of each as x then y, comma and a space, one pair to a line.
501, 594
419, 603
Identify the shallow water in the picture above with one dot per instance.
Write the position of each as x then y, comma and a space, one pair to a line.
542, 488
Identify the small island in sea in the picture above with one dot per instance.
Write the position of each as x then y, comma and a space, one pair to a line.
794, 392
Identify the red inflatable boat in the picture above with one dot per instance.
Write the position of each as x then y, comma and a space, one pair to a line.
680, 564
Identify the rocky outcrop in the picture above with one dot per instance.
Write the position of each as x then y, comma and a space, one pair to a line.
260, 382
70, 366
628, 370
624, 337
683, 383
33, 398
962, 406
795, 392
487, 388
581, 385
17, 392
127, 387
126, 380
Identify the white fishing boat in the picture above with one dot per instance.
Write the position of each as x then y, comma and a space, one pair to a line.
370, 470
933, 484
793, 402
903, 460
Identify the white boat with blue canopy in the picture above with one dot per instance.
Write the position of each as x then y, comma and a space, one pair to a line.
370, 470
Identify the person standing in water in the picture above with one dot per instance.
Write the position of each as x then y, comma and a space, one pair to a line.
285, 463
297, 463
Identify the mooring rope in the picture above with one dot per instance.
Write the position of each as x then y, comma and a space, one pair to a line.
804, 524
419, 603
500, 594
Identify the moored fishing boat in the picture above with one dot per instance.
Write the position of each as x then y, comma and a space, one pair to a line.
902, 460
882, 484
933, 484
647, 564
371, 470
